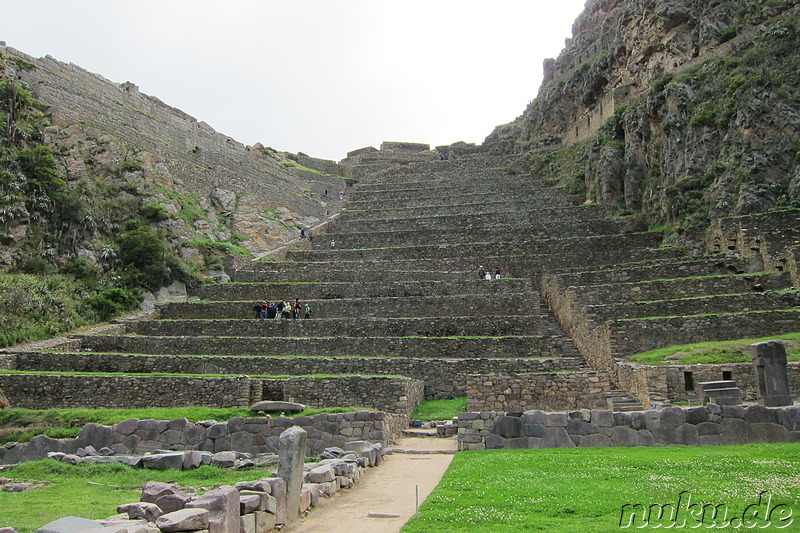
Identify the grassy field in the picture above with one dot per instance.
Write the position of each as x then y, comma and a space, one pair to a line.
585, 490
711, 353
71, 494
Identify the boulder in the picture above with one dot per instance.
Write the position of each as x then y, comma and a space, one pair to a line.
147, 511
183, 520
321, 474
224, 459
163, 461
223, 506
168, 497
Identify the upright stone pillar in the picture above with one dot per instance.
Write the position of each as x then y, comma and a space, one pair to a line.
291, 457
772, 380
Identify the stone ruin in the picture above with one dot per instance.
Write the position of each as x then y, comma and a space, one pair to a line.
257, 506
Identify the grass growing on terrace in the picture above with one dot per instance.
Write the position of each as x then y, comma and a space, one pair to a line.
710, 353
446, 409
69, 493
584, 490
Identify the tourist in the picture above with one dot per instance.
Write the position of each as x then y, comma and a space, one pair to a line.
341, 195
287, 310
308, 311
496, 273
279, 310
258, 308
296, 308
481, 273
333, 244
488, 275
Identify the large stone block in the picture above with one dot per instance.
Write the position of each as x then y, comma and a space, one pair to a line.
168, 497
508, 427
291, 453
595, 441
163, 461
557, 437
769, 432
222, 504
183, 520
624, 436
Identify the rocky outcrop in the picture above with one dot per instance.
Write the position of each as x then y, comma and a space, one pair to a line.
679, 109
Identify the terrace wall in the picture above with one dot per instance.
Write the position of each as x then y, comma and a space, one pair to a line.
443, 378
44, 391
552, 392
249, 435
711, 425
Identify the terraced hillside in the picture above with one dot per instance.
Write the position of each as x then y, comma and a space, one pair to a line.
397, 300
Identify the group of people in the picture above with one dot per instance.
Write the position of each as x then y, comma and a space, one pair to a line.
487, 274
284, 309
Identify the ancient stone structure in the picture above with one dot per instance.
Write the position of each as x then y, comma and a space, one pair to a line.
709, 425
400, 295
249, 435
769, 364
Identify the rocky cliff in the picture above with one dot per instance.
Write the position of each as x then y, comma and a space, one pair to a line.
680, 111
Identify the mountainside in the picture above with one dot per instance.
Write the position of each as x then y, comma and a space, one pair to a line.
679, 110
116, 192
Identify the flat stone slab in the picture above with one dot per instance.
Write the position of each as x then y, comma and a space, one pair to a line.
277, 407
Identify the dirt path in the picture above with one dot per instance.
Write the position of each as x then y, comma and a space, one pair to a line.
389, 489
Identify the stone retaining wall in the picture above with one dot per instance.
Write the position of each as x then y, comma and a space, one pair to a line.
629, 337
695, 426
350, 327
392, 307
40, 391
679, 288
551, 391
729, 303
420, 347
443, 378
8, 362
249, 435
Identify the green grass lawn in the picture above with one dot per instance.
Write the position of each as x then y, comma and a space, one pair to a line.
720, 352
584, 490
70, 494
429, 410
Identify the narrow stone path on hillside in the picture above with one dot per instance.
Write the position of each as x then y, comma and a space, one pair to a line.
389, 489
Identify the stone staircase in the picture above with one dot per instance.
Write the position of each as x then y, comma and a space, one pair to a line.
394, 288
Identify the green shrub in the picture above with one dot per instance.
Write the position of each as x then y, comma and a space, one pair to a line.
112, 301
154, 212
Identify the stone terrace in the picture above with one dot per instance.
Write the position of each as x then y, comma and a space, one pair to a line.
394, 289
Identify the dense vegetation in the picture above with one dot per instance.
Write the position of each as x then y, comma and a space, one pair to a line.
586, 489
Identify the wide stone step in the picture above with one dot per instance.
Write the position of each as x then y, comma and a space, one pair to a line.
420, 347
641, 272
460, 234
632, 336
449, 187
680, 288
441, 376
441, 198
394, 307
261, 272
727, 303
499, 209
509, 245
327, 290
511, 265
443, 326
546, 217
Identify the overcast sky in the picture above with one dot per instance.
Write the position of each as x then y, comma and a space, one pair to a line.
322, 77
